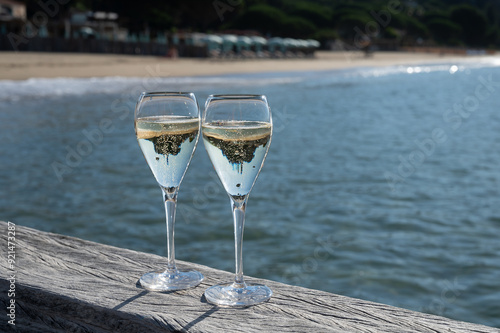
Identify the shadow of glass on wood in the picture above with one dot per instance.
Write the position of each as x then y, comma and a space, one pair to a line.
200, 318
130, 299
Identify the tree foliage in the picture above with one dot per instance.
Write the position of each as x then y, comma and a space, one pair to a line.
264, 18
444, 31
473, 23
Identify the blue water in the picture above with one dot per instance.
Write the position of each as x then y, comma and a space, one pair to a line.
373, 186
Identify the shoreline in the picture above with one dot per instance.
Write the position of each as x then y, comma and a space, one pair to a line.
26, 65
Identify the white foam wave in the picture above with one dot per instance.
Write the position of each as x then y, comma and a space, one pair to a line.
56, 87
449, 66
346, 76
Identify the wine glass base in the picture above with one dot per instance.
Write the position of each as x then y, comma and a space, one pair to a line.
228, 295
163, 281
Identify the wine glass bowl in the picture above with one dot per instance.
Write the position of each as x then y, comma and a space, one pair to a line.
167, 126
237, 131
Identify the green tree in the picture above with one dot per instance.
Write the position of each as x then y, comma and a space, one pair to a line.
352, 25
319, 15
473, 23
493, 37
297, 27
416, 28
325, 35
264, 18
444, 31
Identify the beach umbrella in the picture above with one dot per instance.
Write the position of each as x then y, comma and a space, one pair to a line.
228, 41
243, 42
301, 43
213, 42
213, 39
274, 43
313, 43
197, 39
290, 43
259, 42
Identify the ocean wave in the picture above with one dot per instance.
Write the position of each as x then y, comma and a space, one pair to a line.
325, 78
11, 90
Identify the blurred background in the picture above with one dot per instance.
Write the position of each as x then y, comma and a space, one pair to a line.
156, 27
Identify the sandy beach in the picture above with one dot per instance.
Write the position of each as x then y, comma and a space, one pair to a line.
25, 65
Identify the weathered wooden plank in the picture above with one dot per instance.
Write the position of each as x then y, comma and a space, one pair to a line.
65, 284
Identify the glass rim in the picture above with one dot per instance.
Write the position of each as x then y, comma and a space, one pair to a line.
165, 97
166, 93
236, 96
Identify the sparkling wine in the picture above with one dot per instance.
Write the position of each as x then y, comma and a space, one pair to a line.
237, 150
168, 144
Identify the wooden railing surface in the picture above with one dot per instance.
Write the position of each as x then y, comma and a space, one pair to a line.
66, 284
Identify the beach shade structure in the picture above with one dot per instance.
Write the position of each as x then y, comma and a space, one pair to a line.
258, 42
289, 44
228, 43
311, 46
303, 44
214, 44
196, 39
275, 44
298, 44
196, 45
313, 43
243, 43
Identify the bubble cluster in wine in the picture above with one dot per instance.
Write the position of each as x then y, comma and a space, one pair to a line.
168, 143
237, 150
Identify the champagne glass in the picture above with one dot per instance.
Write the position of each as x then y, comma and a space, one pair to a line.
167, 126
237, 131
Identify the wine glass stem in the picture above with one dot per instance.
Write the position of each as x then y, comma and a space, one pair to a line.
170, 207
239, 222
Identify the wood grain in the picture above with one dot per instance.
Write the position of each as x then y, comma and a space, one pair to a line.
65, 284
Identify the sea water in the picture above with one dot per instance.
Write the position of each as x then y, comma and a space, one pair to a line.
380, 183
